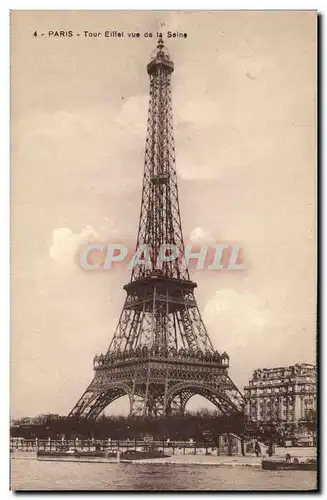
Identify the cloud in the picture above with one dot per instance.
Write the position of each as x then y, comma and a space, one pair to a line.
133, 114
65, 243
241, 318
256, 333
200, 235
195, 171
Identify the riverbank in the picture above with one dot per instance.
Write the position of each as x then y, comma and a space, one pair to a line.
221, 461
206, 460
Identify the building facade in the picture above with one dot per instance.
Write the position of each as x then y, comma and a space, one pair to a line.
282, 395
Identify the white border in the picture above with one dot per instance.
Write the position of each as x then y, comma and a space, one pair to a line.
4, 170
167, 5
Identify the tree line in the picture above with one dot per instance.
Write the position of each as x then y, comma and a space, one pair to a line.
200, 426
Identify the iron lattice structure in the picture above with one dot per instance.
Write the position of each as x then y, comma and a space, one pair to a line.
161, 354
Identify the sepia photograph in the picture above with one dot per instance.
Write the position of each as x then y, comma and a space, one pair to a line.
163, 250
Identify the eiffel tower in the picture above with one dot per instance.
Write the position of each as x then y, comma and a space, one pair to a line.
161, 354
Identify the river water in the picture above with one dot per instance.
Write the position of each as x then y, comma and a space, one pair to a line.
37, 475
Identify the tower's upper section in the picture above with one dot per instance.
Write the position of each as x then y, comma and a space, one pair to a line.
160, 221
161, 58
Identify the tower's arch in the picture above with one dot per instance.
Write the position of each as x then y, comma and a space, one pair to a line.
179, 395
93, 402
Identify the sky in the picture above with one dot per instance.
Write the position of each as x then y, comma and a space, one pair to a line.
244, 102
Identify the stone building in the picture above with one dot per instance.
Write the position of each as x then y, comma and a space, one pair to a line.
284, 394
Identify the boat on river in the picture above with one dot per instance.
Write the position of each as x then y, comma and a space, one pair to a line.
142, 455
105, 455
289, 464
74, 454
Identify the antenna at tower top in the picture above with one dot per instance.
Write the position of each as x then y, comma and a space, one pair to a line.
160, 56
161, 49
160, 44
